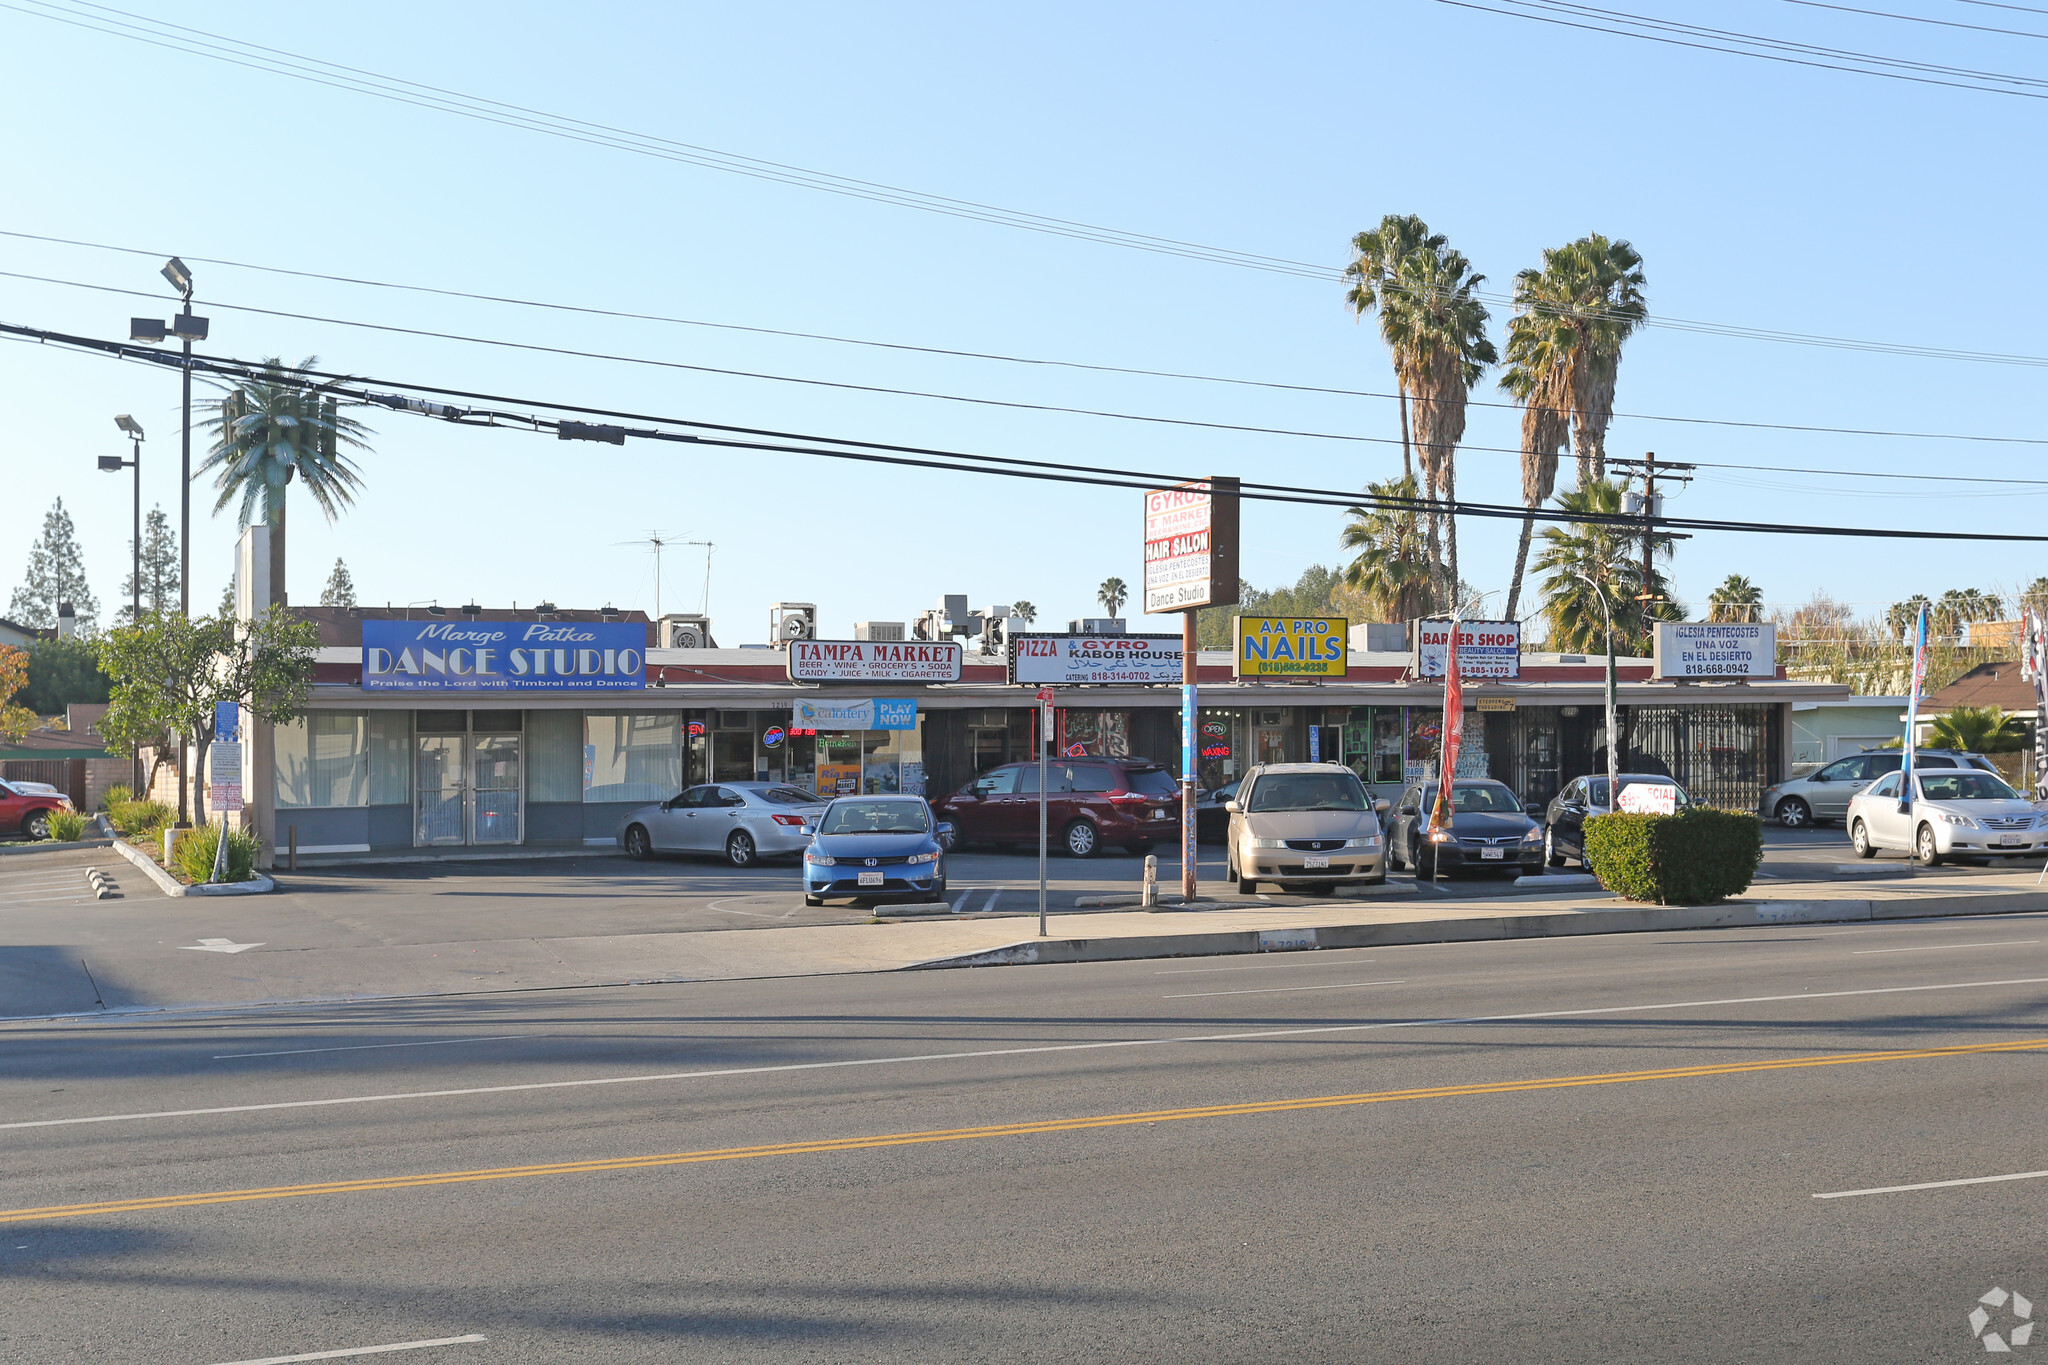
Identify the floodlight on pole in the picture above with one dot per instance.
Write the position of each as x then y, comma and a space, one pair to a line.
179, 276
129, 425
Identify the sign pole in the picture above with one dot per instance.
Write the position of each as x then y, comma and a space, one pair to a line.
1188, 755
1045, 695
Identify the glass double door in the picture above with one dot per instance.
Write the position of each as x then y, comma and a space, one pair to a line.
467, 789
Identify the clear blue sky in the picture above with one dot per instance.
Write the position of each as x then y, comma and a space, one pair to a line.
1770, 196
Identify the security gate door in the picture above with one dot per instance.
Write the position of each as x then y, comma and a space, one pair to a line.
494, 789
467, 780
438, 771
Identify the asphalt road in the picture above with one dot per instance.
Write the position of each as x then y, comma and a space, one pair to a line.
1602, 1149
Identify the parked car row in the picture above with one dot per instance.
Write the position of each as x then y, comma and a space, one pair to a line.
1824, 794
26, 806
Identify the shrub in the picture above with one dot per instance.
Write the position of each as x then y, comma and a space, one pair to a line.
115, 795
193, 857
1695, 857
132, 817
66, 826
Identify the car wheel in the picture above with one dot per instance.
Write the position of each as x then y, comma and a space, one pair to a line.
1550, 854
1138, 850
37, 825
1081, 839
638, 846
739, 849
1859, 839
1925, 851
814, 901
1794, 813
1245, 885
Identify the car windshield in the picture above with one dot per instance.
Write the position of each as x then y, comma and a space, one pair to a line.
1486, 798
1308, 791
791, 796
1153, 782
1965, 785
875, 817
1599, 788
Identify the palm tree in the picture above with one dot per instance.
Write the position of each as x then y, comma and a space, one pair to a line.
1392, 567
1564, 354
1434, 327
1737, 599
1024, 611
1901, 617
1112, 594
275, 427
1959, 606
2034, 597
1979, 730
1583, 554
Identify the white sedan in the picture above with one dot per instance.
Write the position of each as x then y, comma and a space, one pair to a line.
743, 821
1956, 812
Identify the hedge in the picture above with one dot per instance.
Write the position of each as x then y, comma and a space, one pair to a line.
1695, 857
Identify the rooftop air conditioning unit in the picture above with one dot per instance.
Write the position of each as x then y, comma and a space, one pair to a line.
878, 630
1096, 625
686, 631
792, 621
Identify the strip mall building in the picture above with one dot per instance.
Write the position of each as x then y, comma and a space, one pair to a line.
497, 729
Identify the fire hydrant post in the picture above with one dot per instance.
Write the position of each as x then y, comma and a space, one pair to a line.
1151, 896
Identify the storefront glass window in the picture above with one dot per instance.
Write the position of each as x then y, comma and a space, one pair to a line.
1425, 734
323, 760
894, 762
554, 756
390, 758
633, 755
839, 763
732, 749
1099, 734
1220, 734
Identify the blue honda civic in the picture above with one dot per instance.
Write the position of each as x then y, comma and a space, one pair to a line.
876, 846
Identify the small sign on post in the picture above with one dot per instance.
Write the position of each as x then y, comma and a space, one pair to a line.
1649, 798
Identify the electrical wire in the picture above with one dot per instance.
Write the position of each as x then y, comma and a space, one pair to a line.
1918, 19
358, 388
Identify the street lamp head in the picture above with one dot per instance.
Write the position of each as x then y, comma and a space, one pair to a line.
112, 464
145, 329
179, 276
189, 328
129, 425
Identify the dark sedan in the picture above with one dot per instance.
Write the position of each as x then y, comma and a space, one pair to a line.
1490, 830
1564, 822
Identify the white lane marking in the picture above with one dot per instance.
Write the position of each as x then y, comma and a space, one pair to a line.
1937, 947
1277, 990
990, 903
1306, 1031
1268, 966
1936, 1185
218, 945
84, 895
719, 906
368, 1047
44, 883
364, 1350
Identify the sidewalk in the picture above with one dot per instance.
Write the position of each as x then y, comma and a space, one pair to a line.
168, 977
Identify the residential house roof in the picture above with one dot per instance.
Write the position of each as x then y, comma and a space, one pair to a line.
1997, 683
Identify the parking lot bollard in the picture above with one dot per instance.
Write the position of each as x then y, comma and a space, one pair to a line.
1151, 896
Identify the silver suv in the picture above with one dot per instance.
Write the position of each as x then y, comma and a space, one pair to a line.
1824, 794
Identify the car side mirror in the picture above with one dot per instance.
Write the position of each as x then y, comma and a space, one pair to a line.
1380, 805
1533, 808
808, 831
1408, 810
1231, 805
944, 829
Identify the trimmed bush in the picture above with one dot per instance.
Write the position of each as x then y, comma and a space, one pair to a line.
66, 826
115, 795
193, 858
1695, 857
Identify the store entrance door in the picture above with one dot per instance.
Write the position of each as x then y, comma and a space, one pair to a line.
467, 783
494, 807
439, 780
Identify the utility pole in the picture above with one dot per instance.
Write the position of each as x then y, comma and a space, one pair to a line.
1652, 469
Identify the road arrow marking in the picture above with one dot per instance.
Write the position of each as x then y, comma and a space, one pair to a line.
219, 945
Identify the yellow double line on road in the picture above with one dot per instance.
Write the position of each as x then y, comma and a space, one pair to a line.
855, 1144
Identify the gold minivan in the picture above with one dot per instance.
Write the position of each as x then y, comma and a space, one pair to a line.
1305, 827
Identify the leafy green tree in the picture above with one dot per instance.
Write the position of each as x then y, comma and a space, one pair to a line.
1026, 612
341, 589
1584, 559
159, 569
1737, 599
1901, 616
1392, 568
15, 721
55, 575
1112, 595
2034, 597
271, 429
63, 672
1979, 730
170, 672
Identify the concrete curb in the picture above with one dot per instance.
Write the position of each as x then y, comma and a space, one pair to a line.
171, 886
1631, 919
53, 846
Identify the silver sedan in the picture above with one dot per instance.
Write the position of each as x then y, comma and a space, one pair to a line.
742, 821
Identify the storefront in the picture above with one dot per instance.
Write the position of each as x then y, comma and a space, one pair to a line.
498, 747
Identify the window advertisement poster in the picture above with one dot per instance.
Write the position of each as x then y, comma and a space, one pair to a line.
1716, 649
1042, 660
1291, 647
1486, 649
501, 656
1191, 546
882, 661
863, 713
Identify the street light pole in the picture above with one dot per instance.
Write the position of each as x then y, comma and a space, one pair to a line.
114, 464
1613, 732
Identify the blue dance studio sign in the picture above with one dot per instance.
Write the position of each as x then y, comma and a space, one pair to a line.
498, 656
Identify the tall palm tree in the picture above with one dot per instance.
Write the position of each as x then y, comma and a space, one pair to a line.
1959, 606
1737, 599
1112, 594
1564, 355
1586, 559
1392, 567
1902, 616
1025, 612
1979, 730
274, 428
1434, 327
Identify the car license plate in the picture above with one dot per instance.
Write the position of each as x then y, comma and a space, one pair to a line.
1158, 815
1493, 854
2008, 841
1311, 863
870, 879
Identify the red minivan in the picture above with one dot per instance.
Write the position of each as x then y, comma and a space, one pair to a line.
1089, 802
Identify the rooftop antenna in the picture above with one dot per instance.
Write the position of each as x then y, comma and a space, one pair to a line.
705, 609
657, 541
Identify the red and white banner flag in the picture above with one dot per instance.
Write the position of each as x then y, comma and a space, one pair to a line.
1453, 734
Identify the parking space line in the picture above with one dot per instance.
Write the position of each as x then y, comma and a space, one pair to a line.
1935, 1185
364, 1350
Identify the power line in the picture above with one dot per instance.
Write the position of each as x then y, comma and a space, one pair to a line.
1918, 19
357, 387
